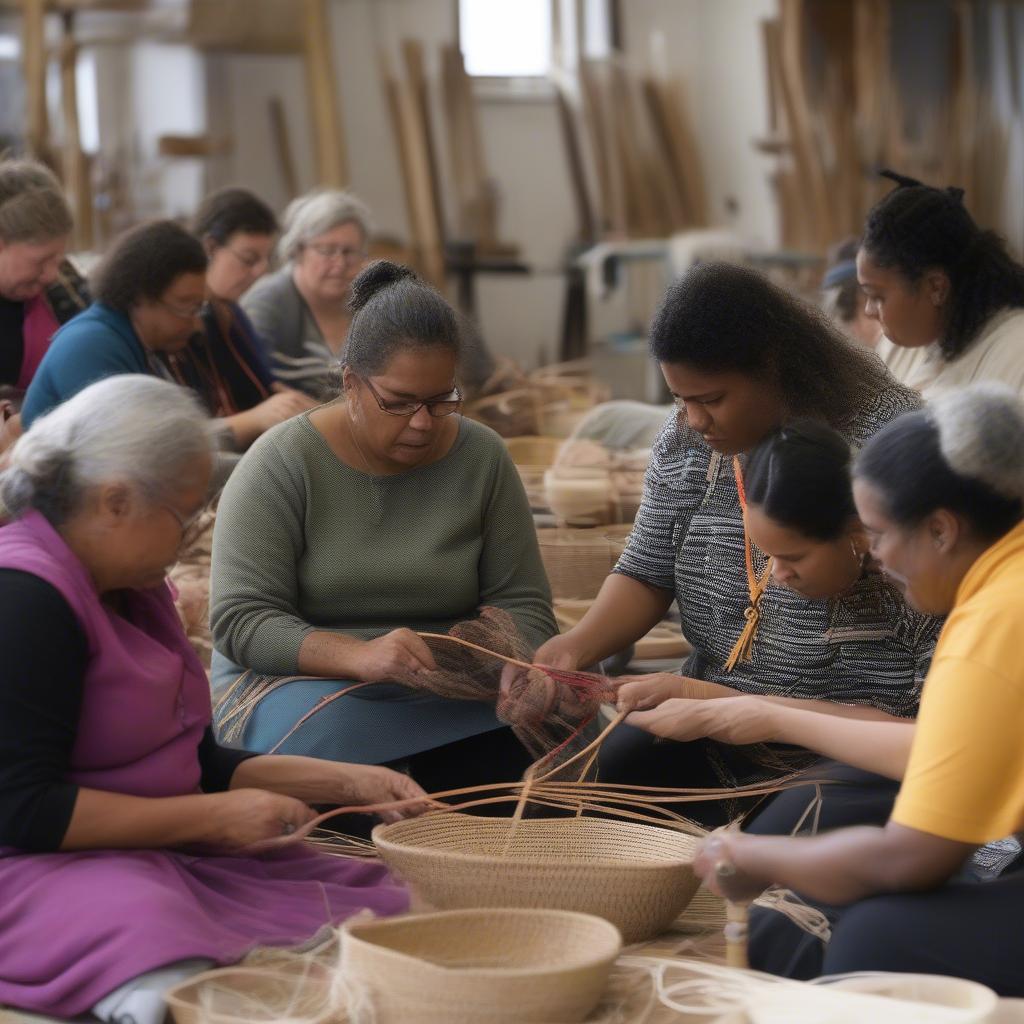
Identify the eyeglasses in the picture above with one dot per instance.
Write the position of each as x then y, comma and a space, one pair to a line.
437, 407
192, 313
191, 526
338, 252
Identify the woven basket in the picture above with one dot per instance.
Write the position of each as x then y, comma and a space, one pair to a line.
578, 561
511, 414
662, 642
580, 496
249, 995
533, 456
534, 450
636, 876
470, 966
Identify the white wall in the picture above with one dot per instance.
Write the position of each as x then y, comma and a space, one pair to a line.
713, 44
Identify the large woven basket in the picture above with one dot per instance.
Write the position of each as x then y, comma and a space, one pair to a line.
578, 561
637, 877
252, 995
476, 966
663, 642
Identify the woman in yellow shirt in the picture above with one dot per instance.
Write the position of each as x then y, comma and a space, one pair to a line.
941, 494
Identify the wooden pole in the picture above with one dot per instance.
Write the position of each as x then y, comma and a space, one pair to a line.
33, 60
76, 167
283, 146
331, 163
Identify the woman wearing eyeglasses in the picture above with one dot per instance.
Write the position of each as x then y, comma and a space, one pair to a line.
301, 311
224, 363
347, 529
149, 293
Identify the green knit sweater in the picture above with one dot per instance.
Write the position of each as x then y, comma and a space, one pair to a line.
304, 542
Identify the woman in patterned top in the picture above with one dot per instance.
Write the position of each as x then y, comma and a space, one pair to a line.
741, 358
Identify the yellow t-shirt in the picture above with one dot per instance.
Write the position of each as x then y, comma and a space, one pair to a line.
965, 778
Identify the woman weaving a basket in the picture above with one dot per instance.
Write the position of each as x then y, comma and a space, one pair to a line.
123, 825
742, 357
800, 513
346, 529
942, 495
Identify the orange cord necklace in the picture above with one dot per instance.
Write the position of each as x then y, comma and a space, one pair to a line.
744, 646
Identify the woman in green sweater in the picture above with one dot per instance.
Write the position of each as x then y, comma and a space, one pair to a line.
345, 530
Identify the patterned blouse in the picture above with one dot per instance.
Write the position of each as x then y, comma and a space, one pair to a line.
866, 646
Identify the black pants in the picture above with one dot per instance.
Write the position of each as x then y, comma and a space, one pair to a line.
966, 929
848, 797
495, 756
633, 757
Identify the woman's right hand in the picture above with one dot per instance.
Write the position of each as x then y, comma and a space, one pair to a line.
558, 652
242, 818
392, 658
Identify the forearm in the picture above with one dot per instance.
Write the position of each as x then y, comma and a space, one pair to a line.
624, 611
104, 820
879, 746
838, 868
328, 654
310, 779
859, 712
244, 428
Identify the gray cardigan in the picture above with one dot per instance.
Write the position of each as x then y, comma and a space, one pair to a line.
296, 350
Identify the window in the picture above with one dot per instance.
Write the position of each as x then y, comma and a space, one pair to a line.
506, 38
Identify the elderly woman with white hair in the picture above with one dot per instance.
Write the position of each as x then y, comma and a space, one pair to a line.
126, 832
941, 496
301, 311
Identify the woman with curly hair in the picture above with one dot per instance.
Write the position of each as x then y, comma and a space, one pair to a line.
742, 358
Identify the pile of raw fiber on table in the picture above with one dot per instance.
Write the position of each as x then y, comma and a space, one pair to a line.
552, 712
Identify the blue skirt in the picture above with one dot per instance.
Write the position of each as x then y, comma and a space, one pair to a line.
373, 725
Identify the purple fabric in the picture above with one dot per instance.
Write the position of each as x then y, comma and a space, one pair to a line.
75, 926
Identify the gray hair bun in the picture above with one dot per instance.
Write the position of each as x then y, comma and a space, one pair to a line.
981, 435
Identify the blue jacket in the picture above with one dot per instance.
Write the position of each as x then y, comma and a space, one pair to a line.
100, 342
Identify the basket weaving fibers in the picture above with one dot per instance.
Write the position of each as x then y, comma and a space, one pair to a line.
577, 561
638, 877
251, 995
470, 966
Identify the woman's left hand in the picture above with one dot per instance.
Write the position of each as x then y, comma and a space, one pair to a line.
717, 864
368, 785
734, 720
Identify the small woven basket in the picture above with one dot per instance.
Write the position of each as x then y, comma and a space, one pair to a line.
534, 455
638, 877
511, 414
578, 561
476, 966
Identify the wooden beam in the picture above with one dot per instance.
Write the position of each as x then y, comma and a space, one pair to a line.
283, 146
415, 69
587, 222
329, 144
75, 164
33, 61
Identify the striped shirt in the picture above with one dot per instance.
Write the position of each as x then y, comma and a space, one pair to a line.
866, 646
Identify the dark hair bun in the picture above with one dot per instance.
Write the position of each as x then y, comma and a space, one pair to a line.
378, 275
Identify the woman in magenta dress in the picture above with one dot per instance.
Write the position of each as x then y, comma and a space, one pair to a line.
123, 826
